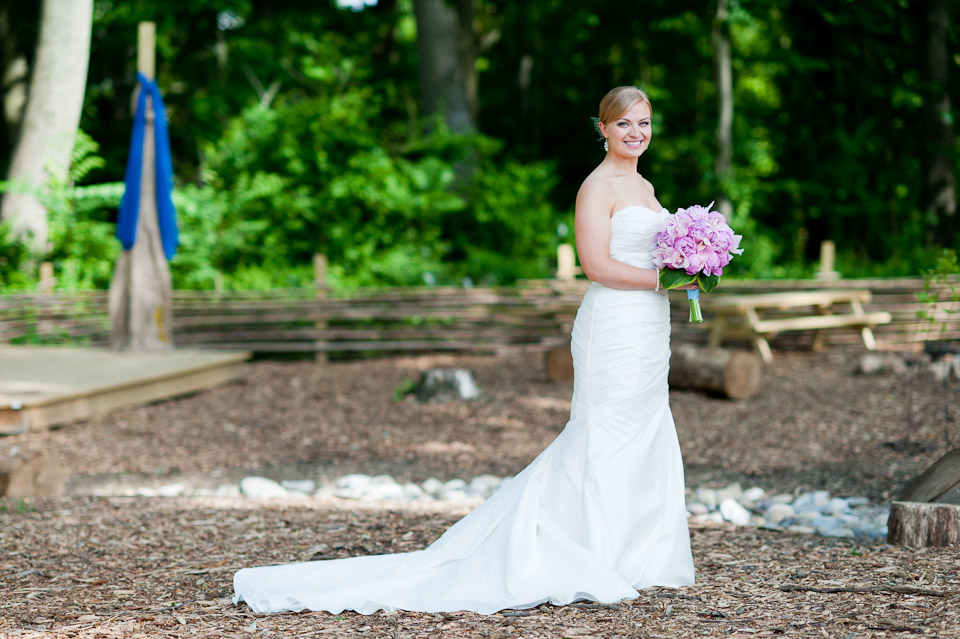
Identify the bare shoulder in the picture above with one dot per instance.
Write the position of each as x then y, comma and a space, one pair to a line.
648, 184
596, 193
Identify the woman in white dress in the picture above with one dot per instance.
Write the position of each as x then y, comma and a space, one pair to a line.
600, 513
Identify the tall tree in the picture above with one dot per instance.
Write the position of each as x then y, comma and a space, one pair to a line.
443, 43
723, 70
939, 185
51, 116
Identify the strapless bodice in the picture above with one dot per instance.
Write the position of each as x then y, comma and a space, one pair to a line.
633, 234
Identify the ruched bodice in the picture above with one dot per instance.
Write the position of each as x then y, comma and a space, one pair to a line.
633, 234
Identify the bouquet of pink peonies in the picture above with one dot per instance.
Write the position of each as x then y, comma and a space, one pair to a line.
694, 247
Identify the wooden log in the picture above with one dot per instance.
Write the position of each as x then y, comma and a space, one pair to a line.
918, 525
30, 475
558, 362
733, 374
940, 483
730, 373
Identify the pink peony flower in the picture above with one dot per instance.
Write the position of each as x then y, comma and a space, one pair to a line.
685, 245
697, 241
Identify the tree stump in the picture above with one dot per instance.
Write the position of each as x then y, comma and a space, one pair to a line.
918, 525
732, 374
928, 511
30, 475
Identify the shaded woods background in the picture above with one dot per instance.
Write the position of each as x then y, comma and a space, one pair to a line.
301, 127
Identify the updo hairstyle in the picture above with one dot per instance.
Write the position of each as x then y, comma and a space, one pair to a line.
620, 100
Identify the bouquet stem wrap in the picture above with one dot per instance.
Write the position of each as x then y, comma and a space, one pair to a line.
694, 298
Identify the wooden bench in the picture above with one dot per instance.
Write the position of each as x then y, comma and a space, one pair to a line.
743, 316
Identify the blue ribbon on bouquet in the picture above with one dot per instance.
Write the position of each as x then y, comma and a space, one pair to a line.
130, 203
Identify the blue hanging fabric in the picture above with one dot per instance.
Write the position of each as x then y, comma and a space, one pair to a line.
130, 203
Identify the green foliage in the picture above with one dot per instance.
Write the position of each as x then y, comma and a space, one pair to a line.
21, 507
316, 175
295, 130
407, 386
671, 278
84, 249
16, 266
941, 286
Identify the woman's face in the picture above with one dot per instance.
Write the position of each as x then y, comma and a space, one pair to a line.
630, 134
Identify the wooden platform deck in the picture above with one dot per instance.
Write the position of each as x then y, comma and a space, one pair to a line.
46, 386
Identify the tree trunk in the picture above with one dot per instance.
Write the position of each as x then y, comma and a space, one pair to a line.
733, 374
724, 80
939, 187
467, 51
30, 475
52, 114
443, 86
917, 525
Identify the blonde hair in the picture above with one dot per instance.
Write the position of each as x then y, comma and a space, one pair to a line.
620, 100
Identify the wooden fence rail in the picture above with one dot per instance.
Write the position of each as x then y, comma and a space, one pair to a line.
534, 314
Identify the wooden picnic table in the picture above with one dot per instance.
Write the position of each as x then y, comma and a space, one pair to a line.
743, 316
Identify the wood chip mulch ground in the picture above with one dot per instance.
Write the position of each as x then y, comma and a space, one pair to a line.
89, 566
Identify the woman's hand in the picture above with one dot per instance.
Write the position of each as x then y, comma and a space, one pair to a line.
693, 286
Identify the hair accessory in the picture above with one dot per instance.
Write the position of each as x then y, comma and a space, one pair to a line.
596, 127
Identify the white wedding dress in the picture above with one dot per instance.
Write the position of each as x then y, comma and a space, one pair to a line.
596, 516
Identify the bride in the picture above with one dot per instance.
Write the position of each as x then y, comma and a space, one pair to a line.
600, 512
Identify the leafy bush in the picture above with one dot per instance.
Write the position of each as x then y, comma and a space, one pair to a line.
387, 207
16, 268
940, 286
82, 248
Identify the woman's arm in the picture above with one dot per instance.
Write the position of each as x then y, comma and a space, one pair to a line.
592, 228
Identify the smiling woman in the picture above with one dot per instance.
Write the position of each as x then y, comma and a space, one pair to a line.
600, 513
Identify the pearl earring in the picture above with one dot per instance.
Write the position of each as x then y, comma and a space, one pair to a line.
606, 144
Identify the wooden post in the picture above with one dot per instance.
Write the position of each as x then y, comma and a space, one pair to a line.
141, 295
828, 253
566, 262
47, 280
320, 283
146, 49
